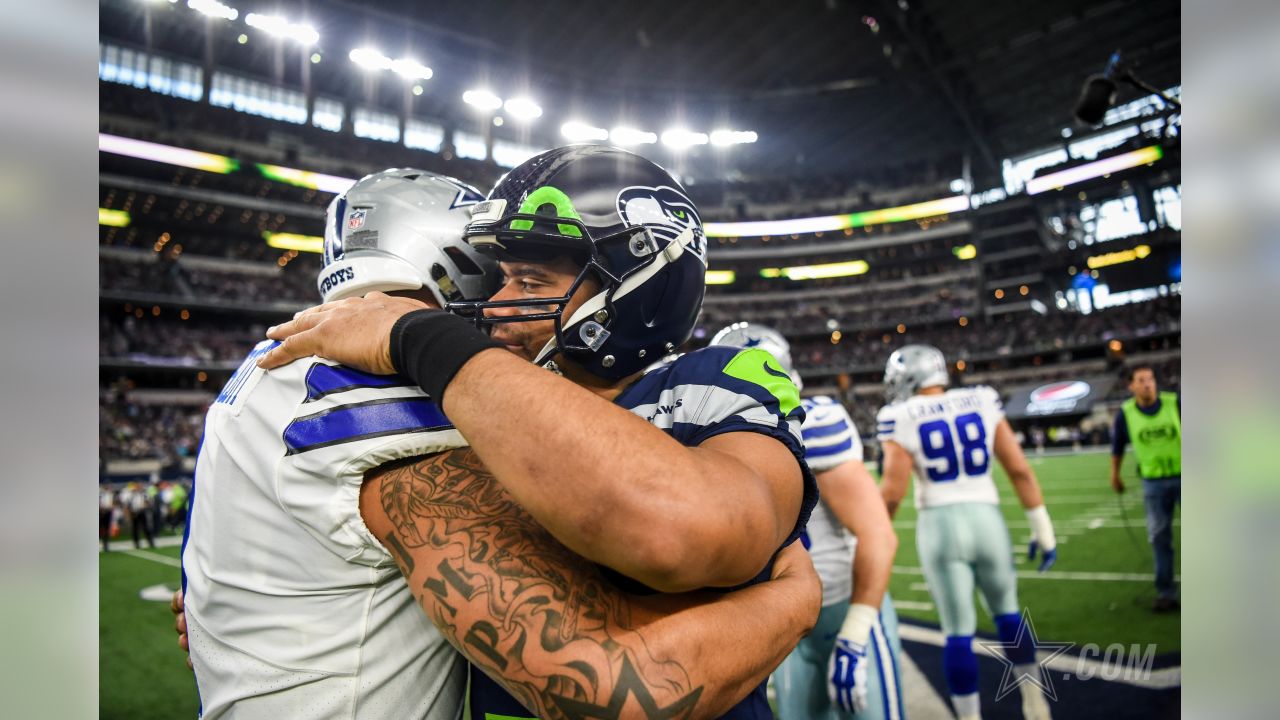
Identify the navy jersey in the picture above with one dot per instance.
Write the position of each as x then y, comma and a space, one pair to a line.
696, 397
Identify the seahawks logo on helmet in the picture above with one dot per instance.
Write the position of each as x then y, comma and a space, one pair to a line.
667, 212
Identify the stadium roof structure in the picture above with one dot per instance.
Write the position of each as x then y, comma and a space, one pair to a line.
830, 86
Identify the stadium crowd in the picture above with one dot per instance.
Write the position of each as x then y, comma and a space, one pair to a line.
127, 334
130, 430
172, 278
122, 336
999, 335
230, 246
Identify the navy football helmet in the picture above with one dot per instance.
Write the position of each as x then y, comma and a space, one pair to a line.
629, 223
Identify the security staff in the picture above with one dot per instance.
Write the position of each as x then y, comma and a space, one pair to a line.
1152, 420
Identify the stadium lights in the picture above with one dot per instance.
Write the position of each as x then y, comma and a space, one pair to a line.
828, 223
721, 277
630, 136
407, 68
213, 8
818, 272
482, 99
304, 178
113, 218
370, 59
166, 154
721, 138
522, 108
294, 241
1113, 258
680, 138
411, 69
1088, 171
574, 131
282, 28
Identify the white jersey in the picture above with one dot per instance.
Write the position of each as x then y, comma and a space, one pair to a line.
830, 440
293, 608
951, 439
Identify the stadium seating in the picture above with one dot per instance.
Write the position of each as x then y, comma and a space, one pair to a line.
190, 284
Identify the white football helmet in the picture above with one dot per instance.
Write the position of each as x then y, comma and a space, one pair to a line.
401, 229
912, 367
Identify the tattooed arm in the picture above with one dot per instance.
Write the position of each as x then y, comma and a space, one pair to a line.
545, 624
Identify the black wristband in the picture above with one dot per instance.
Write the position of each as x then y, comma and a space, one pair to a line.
430, 346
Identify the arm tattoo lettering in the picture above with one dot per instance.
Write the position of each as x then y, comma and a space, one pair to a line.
523, 608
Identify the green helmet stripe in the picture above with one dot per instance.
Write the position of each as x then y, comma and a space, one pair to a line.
549, 195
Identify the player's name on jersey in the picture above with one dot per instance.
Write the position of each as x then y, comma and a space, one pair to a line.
952, 402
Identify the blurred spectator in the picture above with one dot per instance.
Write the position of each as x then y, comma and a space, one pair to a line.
107, 505
176, 498
137, 506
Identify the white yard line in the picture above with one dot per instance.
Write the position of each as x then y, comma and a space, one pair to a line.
153, 557
1060, 575
122, 542
1096, 523
1091, 499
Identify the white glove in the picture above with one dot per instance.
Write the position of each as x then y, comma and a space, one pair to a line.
847, 686
1042, 538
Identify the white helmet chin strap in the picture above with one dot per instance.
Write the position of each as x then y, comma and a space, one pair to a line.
669, 254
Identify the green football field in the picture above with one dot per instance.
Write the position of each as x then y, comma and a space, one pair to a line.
1099, 592
141, 673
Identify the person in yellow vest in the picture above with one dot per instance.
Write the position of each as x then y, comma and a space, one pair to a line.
1152, 421
177, 504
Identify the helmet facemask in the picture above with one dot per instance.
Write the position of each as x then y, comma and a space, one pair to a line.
534, 238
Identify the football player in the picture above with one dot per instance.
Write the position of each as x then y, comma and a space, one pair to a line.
687, 477
848, 665
948, 438
318, 485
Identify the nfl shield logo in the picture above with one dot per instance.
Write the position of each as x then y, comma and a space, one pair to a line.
355, 220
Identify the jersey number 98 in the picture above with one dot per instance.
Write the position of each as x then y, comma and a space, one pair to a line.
937, 442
